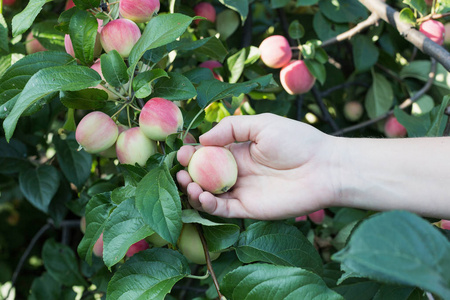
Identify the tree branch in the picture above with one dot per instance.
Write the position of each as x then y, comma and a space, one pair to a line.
326, 114
410, 33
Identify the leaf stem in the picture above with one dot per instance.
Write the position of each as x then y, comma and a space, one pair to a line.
190, 125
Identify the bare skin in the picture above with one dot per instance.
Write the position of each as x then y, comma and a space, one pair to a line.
288, 169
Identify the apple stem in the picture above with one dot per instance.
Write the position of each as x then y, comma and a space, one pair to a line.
202, 277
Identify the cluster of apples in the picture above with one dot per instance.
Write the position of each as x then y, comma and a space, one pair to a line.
295, 77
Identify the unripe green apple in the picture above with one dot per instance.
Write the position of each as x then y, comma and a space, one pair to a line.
212, 64
213, 168
96, 132
120, 35
98, 247
137, 247
275, 51
156, 240
227, 23
353, 111
190, 244
133, 147
160, 118
434, 30
98, 67
138, 11
393, 129
206, 10
296, 78
32, 45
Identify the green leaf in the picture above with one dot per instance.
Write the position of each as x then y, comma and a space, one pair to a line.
45, 287
227, 22
149, 274
264, 281
3, 34
160, 31
213, 48
123, 193
239, 60
76, 165
296, 30
48, 36
365, 53
132, 174
417, 249
407, 16
176, 87
23, 20
240, 6
418, 5
420, 69
158, 201
306, 2
61, 263
212, 90
380, 96
343, 11
13, 156
39, 185
278, 3
97, 213
91, 98
83, 34
219, 236
86, 4
123, 228
279, 244
142, 83
114, 69
197, 75
326, 29
317, 70
45, 82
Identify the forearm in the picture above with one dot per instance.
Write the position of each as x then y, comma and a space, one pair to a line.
384, 174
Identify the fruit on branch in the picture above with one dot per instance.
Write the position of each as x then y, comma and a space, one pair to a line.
445, 224
317, 216
120, 35
213, 168
211, 64
393, 129
32, 45
275, 51
111, 151
96, 132
206, 10
353, 111
296, 78
160, 118
69, 4
190, 245
156, 240
98, 247
133, 147
189, 139
138, 11
137, 247
97, 67
434, 30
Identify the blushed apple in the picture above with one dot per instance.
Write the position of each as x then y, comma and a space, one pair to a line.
137, 247
98, 246
139, 11
393, 128
9, 2
96, 132
133, 147
120, 35
111, 151
160, 118
317, 216
213, 168
434, 30
189, 139
212, 64
296, 78
98, 67
32, 45
190, 244
275, 51
69, 4
206, 10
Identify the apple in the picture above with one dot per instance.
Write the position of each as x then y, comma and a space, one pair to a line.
32, 45
296, 78
275, 51
213, 168
96, 132
133, 147
434, 30
353, 111
120, 35
429, 2
445, 224
301, 218
98, 67
317, 216
160, 118
190, 244
156, 240
139, 11
98, 246
393, 129
206, 10
211, 64
69, 4
111, 151
137, 247
9, 2
189, 139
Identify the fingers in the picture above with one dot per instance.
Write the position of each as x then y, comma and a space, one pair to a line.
234, 128
184, 155
222, 207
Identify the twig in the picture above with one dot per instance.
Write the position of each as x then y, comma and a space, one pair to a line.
342, 86
432, 17
326, 114
371, 20
404, 104
410, 33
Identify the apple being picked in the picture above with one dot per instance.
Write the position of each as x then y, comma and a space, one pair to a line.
137, 247
190, 244
160, 118
393, 129
206, 10
275, 51
214, 169
139, 11
296, 78
120, 35
96, 132
434, 30
133, 147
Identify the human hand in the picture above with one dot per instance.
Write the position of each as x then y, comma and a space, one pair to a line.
285, 169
